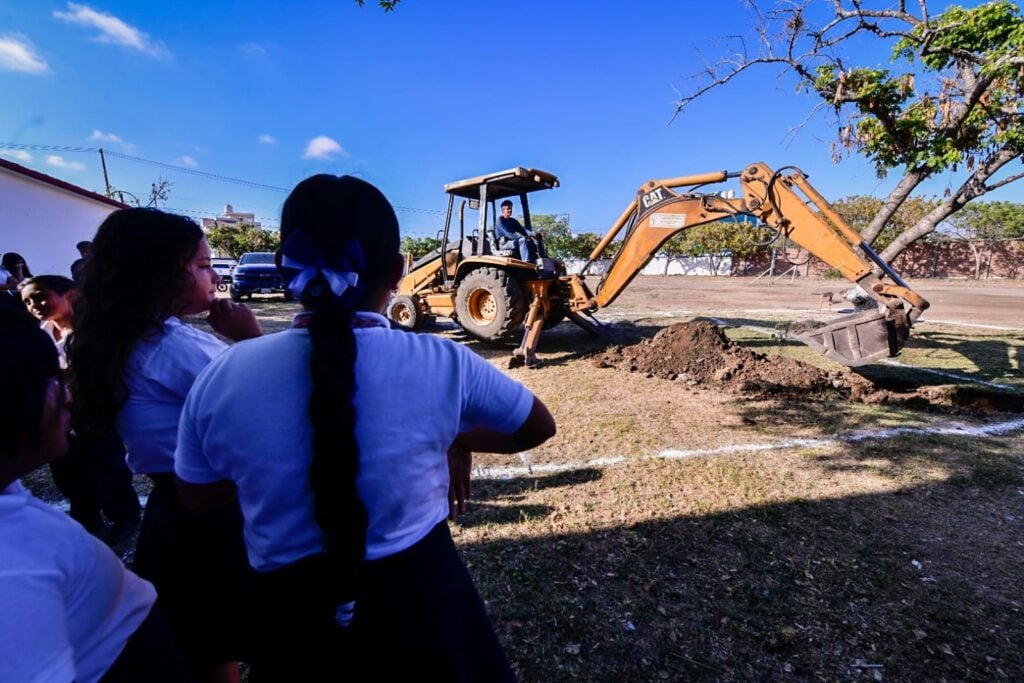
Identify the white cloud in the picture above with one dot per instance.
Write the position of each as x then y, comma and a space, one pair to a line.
60, 162
100, 136
188, 161
267, 139
252, 49
112, 30
323, 147
18, 54
16, 154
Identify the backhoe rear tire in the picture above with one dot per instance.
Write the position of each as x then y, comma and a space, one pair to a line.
404, 313
490, 305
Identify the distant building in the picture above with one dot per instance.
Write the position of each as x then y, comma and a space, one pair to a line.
42, 217
231, 219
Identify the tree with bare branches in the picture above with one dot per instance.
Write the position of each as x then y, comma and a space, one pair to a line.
950, 103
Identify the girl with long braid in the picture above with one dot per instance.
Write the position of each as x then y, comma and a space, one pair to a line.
344, 483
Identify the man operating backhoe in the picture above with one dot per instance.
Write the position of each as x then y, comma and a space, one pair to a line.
530, 244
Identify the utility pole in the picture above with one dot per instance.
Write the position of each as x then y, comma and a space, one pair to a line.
106, 180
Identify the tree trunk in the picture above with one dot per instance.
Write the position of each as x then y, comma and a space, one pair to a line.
904, 188
977, 258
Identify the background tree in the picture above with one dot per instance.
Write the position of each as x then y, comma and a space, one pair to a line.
419, 246
951, 102
387, 5
860, 210
235, 241
159, 192
716, 241
561, 242
580, 246
557, 236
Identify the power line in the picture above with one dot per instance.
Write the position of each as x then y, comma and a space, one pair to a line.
201, 174
180, 169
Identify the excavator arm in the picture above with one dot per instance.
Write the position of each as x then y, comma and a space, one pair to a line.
785, 206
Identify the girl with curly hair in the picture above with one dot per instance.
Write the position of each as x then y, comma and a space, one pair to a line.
133, 360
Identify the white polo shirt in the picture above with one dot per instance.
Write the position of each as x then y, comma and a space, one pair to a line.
246, 420
50, 328
159, 373
68, 603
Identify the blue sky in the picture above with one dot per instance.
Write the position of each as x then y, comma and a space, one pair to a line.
409, 100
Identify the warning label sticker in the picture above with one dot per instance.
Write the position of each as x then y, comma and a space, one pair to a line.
668, 220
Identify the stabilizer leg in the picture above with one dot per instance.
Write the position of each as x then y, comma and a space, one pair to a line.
525, 354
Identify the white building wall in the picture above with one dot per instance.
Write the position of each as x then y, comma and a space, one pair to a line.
43, 222
662, 265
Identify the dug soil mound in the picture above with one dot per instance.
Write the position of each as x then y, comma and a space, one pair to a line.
699, 353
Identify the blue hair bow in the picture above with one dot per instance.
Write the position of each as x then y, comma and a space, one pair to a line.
340, 271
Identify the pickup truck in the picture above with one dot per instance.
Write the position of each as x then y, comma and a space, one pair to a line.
257, 274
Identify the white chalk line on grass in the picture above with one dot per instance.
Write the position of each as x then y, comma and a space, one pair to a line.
958, 429
960, 323
951, 375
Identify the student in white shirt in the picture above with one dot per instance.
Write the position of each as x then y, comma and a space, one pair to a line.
344, 479
93, 475
132, 362
71, 611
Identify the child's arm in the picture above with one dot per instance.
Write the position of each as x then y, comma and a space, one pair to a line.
538, 428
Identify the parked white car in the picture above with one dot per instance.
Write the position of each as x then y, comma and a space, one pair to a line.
225, 267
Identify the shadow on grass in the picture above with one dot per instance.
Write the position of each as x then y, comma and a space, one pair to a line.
921, 583
992, 357
562, 344
484, 514
510, 494
498, 488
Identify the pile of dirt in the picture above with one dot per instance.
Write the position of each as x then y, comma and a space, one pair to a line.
699, 353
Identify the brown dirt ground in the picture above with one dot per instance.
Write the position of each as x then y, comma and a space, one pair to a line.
699, 353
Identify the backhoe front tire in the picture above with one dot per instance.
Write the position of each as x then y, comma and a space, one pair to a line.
404, 313
490, 305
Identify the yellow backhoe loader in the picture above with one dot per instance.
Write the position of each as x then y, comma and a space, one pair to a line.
477, 281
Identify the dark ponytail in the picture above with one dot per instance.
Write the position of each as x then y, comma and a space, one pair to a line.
339, 510
333, 226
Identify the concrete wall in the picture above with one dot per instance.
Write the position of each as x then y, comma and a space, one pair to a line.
43, 222
1001, 260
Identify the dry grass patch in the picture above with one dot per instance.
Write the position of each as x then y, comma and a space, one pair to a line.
745, 567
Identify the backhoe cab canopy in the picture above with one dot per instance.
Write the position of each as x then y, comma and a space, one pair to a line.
482, 194
509, 183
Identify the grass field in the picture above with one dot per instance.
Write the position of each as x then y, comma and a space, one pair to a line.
673, 531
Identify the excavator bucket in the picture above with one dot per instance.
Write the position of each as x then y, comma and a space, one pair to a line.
860, 338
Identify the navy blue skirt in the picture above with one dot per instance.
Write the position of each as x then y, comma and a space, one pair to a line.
198, 565
417, 616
